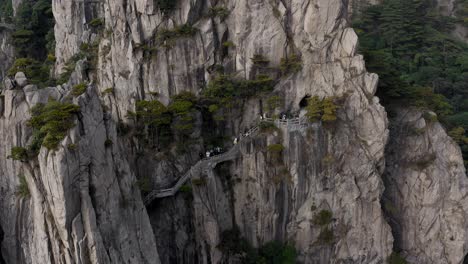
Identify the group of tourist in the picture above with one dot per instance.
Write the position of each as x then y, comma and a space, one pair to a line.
214, 152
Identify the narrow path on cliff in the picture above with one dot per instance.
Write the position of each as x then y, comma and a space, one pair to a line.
211, 162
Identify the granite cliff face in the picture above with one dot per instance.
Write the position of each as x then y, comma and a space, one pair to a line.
426, 189
85, 205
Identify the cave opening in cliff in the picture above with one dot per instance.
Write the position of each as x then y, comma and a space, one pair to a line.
304, 101
465, 260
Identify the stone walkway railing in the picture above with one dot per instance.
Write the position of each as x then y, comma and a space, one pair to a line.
290, 124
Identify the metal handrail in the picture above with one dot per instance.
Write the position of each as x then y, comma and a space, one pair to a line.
161, 193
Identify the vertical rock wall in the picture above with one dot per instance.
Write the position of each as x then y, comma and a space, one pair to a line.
85, 205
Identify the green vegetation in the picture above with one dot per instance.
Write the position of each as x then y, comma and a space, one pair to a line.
225, 91
326, 236
23, 189
33, 39
186, 189
218, 11
275, 151
328, 160
167, 37
79, 89
430, 117
273, 102
277, 252
259, 60
329, 110
182, 108
419, 63
145, 184
395, 258
19, 153
229, 44
36, 72
153, 113
72, 147
458, 134
324, 109
290, 65
462, 12
90, 52
267, 127
156, 118
50, 123
33, 36
324, 217
166, 6
6, 10
96, 22
160, 123
198, 181
68, 69
275, 148
273, 252
314, 109
108, 91
108, 143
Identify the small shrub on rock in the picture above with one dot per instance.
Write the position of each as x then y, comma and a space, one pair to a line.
324, 110
96, 23
186, 188
290, 65
23, 189
36, 72
108, 143
51, 122
145, 184
79, 89
324, 217
19, 153
275, 148
218, 11
395, 258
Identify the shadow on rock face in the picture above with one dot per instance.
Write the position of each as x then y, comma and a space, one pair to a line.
1, 240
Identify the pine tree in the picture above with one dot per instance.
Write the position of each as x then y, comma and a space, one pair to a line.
314, 106
329, 110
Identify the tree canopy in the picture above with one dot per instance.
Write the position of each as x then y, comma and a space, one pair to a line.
408, 43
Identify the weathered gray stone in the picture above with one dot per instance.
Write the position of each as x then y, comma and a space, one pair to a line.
21, 79
9, 84
426, 190
85, 206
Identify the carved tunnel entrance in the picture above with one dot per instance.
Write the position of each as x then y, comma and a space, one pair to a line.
303, 103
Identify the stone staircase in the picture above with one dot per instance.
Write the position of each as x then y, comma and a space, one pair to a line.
211, 162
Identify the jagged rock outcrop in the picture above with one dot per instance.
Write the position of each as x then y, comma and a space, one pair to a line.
426, 190
6, 52
450, 8
85, 205
314, 29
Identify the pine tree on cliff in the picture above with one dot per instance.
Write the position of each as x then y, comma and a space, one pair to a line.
314, 106
329, 110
